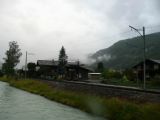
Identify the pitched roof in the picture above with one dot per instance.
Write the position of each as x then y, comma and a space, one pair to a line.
152, 60
156, 61
87, 68
45, 62
52, 62
72, 63
55, 63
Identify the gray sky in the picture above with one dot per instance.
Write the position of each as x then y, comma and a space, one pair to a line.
81, 26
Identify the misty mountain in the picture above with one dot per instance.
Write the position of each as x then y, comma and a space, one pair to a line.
128, 52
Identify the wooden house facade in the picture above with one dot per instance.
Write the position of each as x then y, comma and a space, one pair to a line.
73, 70
152, 68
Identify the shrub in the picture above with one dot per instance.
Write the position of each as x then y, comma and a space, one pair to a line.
124, 79
130, 75
1, 74
109, 74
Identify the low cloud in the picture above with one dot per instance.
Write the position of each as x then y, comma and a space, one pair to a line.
104, 58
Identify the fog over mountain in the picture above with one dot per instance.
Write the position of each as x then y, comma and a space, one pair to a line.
81, 26
127, 53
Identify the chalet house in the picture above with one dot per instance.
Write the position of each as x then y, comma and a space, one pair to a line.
152, 68
74, 70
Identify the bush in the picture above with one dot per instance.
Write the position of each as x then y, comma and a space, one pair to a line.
124, 79
110, 74
130, 75
1, 74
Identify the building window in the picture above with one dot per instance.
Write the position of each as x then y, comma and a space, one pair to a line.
156, 67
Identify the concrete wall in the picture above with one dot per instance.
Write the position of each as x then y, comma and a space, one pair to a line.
109, 90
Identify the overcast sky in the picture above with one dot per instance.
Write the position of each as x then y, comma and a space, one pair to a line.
81, 26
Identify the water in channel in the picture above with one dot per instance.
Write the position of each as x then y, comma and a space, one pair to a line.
16, 104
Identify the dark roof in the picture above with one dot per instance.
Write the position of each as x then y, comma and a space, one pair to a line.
69, 63
52, 62
72, 63
156, 61
56, 63
87, 68
45, 62
152, 60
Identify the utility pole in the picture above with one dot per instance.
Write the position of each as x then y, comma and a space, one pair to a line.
144, 53
144, 59
26, 66
78, 68
26, 62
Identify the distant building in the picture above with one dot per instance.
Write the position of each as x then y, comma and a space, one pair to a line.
152, 68
94, 76
74, 70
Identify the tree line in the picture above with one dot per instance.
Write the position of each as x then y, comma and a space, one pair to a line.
12, 58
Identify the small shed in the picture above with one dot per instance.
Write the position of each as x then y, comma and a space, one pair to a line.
94, 76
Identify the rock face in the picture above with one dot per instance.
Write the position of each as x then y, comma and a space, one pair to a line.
127, 53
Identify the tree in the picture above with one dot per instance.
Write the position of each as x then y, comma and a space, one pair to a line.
111, 74
31, 69
100, 67
62, 61
12, 58
130, 74
1, 73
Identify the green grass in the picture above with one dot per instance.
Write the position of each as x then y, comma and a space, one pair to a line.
110, 108
139, 84
123, 82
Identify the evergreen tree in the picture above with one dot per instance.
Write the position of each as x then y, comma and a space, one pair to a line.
100, 67
12, 58
31, 69
62, 61
1, 74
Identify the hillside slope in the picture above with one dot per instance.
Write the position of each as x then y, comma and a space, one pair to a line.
126, 53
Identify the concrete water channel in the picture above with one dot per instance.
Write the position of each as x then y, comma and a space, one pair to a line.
16, 104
